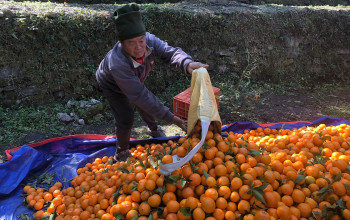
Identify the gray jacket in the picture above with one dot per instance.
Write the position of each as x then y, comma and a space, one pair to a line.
122, 74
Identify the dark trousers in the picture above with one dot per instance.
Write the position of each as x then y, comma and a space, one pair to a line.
123, 112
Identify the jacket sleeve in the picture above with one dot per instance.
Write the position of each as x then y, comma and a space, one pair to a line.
170, 55
138, 94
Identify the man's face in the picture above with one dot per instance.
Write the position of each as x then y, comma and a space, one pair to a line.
135, 47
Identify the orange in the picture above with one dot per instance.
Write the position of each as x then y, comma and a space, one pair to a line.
212, 193
283, 212
198, 214
243, 207
312, 171
269, 176
144, 209
181, 151
271, 199
191, 202
167, 159
197, 157
224, 191
265, 159
234, 197
287, 200
39, 214
236, 183
220, 170
346, 213
57, 201
219, 214
339, 188
173, 206
221, 203
223, 181
125, 207
38, 205
168, 196
305, 210
115, 209
150, 184
261, 215
210, 153
187, 192
154, 200
107, 216
208, 205
196, 179
286, 189
48, 196
211, 181
104, 203
84, 215
244, 192
298, 196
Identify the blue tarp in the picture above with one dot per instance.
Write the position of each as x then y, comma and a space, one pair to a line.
66, 154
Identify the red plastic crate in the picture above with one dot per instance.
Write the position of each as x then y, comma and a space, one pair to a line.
181, 102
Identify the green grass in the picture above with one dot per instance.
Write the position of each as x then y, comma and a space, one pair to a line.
18, 121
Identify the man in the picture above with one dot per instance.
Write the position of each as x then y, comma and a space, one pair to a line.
122, 73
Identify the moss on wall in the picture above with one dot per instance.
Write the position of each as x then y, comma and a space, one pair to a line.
51, 51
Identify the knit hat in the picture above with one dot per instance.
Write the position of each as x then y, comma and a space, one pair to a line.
129, 22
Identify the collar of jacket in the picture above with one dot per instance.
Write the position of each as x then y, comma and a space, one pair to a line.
147, 53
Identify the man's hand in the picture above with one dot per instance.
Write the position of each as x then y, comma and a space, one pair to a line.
195, 65
181, 123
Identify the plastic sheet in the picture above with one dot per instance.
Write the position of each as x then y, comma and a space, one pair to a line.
64, 155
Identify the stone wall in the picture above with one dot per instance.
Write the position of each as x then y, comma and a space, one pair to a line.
280, 2
50, 51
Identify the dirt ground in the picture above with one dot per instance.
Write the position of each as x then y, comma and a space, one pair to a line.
268, 108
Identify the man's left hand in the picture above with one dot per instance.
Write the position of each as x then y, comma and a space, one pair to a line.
195, 65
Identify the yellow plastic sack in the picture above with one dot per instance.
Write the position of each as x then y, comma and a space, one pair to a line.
202, 107
203, 103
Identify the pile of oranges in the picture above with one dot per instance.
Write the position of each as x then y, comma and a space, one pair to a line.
261, 174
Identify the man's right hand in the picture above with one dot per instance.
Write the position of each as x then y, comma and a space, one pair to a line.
181, 123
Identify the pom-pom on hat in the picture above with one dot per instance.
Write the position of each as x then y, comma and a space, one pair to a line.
129, 22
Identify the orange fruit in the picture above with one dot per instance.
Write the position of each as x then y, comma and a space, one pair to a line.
208, 205
271, 199
305, 210
243, 207
144, 209
339, 188
168, 196
191, 202
236, 183
244, 192
173, 206
219, 214
261, 215
312, 171
211, 181
132, 214
167, 159
283, 212
39, 214
224, 191
212, 193
107, 216
198, 214
221, 203
298, 196
154, 200
125, 207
